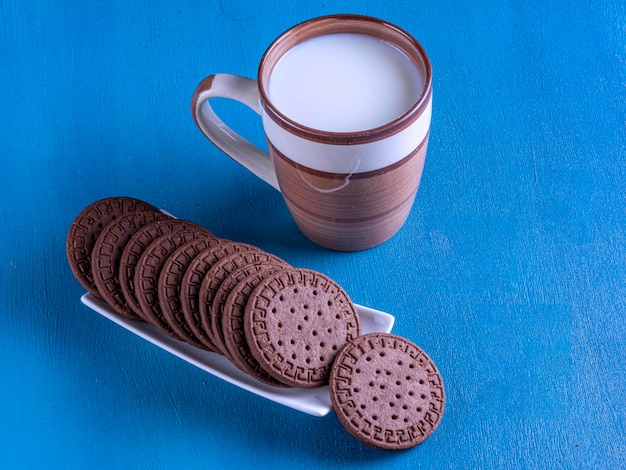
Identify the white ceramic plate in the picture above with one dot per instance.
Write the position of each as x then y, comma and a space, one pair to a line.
314, 401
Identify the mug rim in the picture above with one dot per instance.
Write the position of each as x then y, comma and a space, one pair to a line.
344, 23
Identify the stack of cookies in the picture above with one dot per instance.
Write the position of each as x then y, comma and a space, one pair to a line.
286, 326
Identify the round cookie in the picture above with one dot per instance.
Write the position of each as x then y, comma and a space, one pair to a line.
85, 229
147, 274
233, 327
212, 283
107, 252
134, 249
192, 280
295, 323
169, 287
227, 285
386, 391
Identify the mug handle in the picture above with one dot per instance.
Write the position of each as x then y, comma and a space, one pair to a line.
223, 137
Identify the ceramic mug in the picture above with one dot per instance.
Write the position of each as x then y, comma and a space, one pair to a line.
346, 105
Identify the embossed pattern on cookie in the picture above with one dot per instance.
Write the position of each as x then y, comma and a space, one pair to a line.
296, 321
233, 313
147, 274
169, 286
213, 281
135, 248
224, 290
107, 252
192, 280
386, 391
86, 227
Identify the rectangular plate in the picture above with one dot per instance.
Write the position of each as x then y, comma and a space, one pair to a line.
314, 401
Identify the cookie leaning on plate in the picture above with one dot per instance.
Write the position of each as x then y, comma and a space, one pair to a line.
213, 282
107, 252
221, 297
85, 229
386, 391
133, 250
192, 281
296, 321
149, 268
170, 284
233, 313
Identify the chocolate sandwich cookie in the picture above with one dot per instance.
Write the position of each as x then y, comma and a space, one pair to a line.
386, 391
192, 280
86, 227
296, 321
107, 252
135, 248
147, 273
212, 282
169, 287
233, 326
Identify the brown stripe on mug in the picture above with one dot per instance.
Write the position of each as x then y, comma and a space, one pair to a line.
336, 210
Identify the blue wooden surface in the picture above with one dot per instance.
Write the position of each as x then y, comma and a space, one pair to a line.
510, 271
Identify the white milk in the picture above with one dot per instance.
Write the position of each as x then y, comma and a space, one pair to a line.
344, 82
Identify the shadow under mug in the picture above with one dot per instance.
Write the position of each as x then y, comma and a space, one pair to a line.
347, 191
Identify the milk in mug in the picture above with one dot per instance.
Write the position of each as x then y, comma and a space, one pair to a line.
344, 82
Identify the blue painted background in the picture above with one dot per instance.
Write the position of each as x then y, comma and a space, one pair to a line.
510, 271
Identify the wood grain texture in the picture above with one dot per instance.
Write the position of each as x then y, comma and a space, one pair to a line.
509, 271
